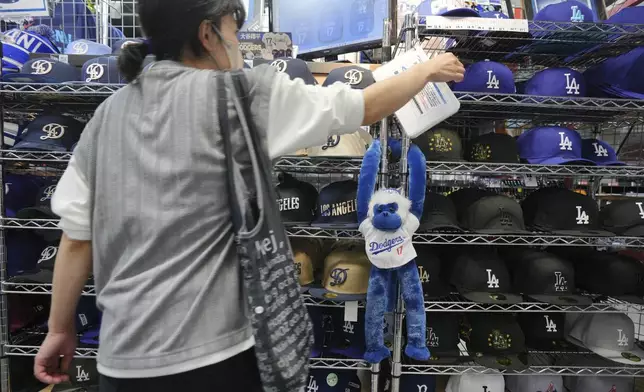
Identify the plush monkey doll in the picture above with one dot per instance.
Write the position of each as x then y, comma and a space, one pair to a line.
388, 220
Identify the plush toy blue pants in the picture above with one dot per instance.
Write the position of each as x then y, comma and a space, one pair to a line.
381, 284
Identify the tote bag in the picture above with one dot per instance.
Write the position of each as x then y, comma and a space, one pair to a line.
281, 324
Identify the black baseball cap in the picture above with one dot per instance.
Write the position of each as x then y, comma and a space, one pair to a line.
493, 147
294, 68
544, 277
465, 197
354, 76
442, 338
439, 213
337, 205
496, 341
440, 145
544, 331
429, 271
496, 214
297, 200
481, 276
624, 217
562, 211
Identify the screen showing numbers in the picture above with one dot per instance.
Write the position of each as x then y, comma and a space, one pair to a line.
318, 25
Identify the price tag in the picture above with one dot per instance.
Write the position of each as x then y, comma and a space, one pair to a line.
63, 58
351, 311
472, 23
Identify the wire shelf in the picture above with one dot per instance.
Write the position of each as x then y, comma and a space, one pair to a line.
468, 168
35, 156
329, 363
17, 350
9, 287
46, 224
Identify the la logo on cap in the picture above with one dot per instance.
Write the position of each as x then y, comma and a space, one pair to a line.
42, 67
577, 16
95, 72
492, 280
280, 65
550, 324
572, 87
53, 131
353, 77
492, 81
432, 339
80, 47
565, 143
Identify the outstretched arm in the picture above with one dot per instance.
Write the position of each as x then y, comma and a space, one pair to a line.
417, 179
367, 180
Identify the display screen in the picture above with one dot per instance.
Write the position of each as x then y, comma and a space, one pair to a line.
321, 25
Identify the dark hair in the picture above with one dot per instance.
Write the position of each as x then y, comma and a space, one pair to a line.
171, 27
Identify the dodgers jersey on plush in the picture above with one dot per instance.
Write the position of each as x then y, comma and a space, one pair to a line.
389, 249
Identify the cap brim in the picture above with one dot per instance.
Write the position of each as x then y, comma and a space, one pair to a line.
548, 344
36, 213
297, 223
439, 222
437, 290
633, 357
41, 276
462, 12
446, 357
491, 298
624, 93
578, 233
612, 163
30, 145
636, 231
331, 296
26, 78
501, 362
564, 300
560, 161
335, 225
502, 231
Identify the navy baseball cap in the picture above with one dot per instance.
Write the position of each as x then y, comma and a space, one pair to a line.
600, 152
119, 45
349, 337
442, 8
337, 205
624, 217
354, 76
44, 257
557, 82
102, 70
42, 208
24, 249
294, 68
566, 11
87, 47
551, 146
43, 70
20, 192
50, 132
333, 380
487, 77
417, 382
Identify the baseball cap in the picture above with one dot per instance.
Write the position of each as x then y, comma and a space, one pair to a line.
91, 336
296, 200
476, 383
348, 145
118, 46
346, 275
429, 271
481, 276
557, 82
337, 205
43, 70
493, 147
417, 382
534, 383
439, 213
440, 145
498, 214
24, 249
562, 211
17, 45
544, 277
601, 383
42, 208
610, 335
496, 341
551, 146
333, 380
305, 256
442, 337
599, 152
487, 77
87, 314
45, 257
445, 8
624, 217
323, 320
465, 197
543, 331
493, 15
103, 70
27, 310
87, 47
82, 372
355, 76
20, 191
566, 11
50, 132
620, 76
349, 337
294, 68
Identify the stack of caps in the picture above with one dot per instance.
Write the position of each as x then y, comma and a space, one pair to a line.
17, 47
98, 70
619, 76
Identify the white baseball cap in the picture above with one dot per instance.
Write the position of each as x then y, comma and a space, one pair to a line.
534, 383
476, 383
603, 383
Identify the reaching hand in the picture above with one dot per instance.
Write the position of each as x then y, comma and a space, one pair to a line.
49, 367
445, 68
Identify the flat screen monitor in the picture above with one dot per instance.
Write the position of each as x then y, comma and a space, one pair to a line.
329, 27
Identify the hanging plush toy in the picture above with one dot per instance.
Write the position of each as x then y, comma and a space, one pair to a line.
388, 220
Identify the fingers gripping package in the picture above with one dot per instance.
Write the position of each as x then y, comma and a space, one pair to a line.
388, 220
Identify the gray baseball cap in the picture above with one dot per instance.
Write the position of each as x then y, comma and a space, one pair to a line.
610, 335
534, 383
476, 383
602, 383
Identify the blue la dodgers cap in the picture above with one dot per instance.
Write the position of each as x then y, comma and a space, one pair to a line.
294, 68
354, 76
487, 77
566, 11
43, 70
600, 152
349, 337
557, 82
551, 146
103, 70
20, 191
17, 46
417, 382
620, 76
333, 380
50, 132
87, 47
445, 8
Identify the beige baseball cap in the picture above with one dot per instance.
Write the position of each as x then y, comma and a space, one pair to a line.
346, 275
350, 145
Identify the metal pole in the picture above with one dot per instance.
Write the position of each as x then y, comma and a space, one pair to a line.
103, 12
393, 17
400, 308
384, 123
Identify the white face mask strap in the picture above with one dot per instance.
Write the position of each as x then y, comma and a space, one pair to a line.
233, 58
